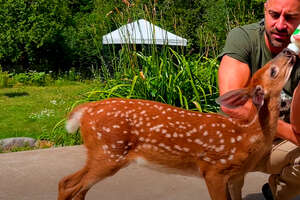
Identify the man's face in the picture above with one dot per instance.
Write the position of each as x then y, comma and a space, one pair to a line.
281, 19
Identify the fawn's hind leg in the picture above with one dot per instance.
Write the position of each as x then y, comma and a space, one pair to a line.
77, 185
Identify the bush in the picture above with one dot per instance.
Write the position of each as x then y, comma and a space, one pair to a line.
30, 33
188, 82
4, 79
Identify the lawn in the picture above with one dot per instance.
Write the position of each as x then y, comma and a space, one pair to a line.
33, 111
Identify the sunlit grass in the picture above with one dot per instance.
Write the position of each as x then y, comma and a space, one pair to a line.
34, 111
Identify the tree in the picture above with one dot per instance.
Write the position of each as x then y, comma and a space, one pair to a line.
29, 29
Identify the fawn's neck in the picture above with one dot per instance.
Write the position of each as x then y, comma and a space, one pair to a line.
268, 117
265, 119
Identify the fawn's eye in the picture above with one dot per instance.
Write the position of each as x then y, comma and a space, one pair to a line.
274, 72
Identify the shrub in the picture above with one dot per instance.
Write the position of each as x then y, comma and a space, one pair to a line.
4, 78
30, 33
169, 77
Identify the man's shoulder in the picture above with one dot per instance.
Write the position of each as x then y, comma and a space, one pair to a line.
246, 44
251, 29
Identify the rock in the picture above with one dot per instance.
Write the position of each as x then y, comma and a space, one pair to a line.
9, 143
43, 144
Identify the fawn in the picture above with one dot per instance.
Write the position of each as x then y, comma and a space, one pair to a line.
220, 149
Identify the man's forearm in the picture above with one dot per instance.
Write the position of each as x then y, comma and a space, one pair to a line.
285, 131
245, 112
295, 110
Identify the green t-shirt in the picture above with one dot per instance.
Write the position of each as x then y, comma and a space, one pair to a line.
247, 44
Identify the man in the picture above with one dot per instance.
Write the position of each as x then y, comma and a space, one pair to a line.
248, 48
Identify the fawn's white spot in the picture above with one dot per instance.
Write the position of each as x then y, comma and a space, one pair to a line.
147, 146
220, 148
233, 150
153, 141
90, 110
239, 138
135, 132
232, 140
99, 135
198, 141
207, 159
253, 138
223, 161
106, 129
155, 117
116, 126
186, 149
104, 147
108, 113
157, 128
189, 140
177, 147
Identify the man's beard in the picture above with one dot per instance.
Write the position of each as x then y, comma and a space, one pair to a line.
276, 43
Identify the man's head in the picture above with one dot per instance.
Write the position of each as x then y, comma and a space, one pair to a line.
281, 19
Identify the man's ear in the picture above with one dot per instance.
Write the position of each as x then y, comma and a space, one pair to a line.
234, 98
258, 95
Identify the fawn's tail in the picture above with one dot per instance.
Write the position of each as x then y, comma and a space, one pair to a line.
73, 122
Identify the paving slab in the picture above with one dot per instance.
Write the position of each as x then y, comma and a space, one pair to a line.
35, 174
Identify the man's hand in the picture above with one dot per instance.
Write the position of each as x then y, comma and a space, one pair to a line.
295, 110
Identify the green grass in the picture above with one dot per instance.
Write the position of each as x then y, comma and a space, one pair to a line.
31, 111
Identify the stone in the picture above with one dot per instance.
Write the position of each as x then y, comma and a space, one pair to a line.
9, 143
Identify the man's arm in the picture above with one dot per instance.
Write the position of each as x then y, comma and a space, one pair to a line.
295, 110
291, 131
234, 74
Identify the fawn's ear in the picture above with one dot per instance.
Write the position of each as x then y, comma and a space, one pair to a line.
234, 98
239, 97
258, 95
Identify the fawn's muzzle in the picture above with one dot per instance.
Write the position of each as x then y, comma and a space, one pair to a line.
290, 54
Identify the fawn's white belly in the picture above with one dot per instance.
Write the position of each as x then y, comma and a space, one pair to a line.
141, 161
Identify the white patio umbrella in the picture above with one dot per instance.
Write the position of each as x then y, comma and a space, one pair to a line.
143, 32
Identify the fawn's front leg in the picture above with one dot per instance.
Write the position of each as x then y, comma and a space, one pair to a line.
217, 186
235, 185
